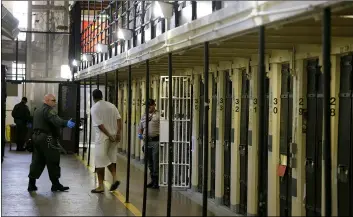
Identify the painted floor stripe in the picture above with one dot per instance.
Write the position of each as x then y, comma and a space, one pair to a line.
116, 193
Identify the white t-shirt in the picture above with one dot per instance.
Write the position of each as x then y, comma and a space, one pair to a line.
107, 114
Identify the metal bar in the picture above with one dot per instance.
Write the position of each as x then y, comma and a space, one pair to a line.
205, 131
116, 84
90, 122
106, 86
47, 32
146, 143
171, 131
16, 57
326, 40
84, 119
98, 82
128, 136
37, 81
261, 101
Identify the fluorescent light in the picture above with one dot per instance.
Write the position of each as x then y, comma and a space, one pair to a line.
65, 71
74, 62
124, 34
101, 48
162, 9
87, 57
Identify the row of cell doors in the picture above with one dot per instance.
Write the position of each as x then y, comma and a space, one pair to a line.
312, 127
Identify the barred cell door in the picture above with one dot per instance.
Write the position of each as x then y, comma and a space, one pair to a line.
345, 138
313, 138
285, 140
243, 146
69, 107
200, 138
263, 155
213, 137
182, 100
227, 139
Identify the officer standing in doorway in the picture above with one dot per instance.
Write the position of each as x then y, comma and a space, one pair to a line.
152, 155
22, 117
46, 124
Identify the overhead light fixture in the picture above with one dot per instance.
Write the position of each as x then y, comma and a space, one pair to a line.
74, 62
87, 57
124, 34
102, 48
65, 72
162, 9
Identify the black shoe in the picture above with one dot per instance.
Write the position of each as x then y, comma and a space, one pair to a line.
155, 186
32, 188
95, 191
32, 185
59, 187
114, 186
150, 185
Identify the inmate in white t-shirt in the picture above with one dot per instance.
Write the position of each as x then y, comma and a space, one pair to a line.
107, 114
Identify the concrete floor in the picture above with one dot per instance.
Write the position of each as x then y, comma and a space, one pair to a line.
16, 201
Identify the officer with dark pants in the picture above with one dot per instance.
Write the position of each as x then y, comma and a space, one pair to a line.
46, 150
152, 155
22, 117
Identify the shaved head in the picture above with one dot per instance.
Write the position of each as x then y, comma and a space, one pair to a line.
50, 100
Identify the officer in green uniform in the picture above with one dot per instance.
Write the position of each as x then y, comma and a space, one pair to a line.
46, 125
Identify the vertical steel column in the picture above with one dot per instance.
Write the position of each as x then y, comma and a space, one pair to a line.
129, 102
146, 143
205, 131
98, 82
326, 40
261, 102
170, 136
16, 58
90, 121
106, 86
84, 119
116, 84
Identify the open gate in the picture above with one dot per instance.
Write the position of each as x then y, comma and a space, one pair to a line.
69, 107
313, 138
345, 138
181, 130
263, 162
285, 140
214, 132
227, 139
243, 146
200, 137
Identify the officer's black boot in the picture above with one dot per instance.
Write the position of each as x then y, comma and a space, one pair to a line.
32, 185
57, 186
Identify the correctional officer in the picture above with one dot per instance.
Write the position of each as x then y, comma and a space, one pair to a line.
22, 117
46, 124
152, 154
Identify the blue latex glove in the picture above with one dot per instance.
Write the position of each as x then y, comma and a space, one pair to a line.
70, 124
140, 136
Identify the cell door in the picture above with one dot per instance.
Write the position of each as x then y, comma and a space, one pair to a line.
181, 87
263, 153
227, 139
200, 137
286, 139
345, 139
313, 138
214, 132
69, 107
243, 146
